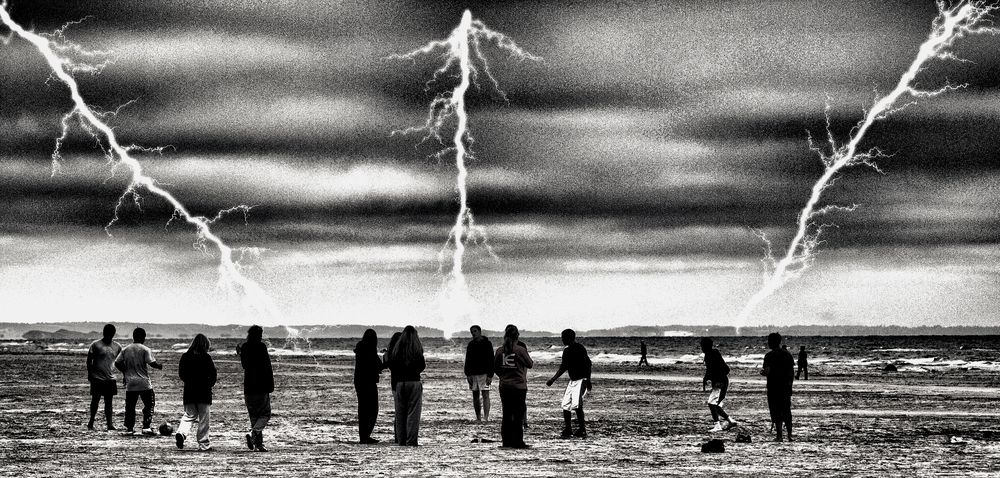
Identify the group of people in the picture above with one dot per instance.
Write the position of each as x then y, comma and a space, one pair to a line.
404, 358
196, 370
779, 368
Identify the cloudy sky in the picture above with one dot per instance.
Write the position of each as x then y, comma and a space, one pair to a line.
619, 184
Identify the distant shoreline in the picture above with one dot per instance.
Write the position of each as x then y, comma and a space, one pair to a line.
77, 330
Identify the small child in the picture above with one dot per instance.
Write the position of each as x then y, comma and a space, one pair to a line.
717, 372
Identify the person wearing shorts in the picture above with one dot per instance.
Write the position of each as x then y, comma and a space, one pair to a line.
716, 373
479, 371
575, 361
101, 375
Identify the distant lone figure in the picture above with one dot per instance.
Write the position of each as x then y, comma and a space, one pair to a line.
642, 353
406, 364
133, 361
575, 361
197, 370
367, 371
716, 373
479, 370
258, 384
803, 369
101, 375
779, 368
511, 362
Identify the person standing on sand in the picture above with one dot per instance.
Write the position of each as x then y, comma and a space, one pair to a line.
406, 363
642, 352
367, 371
803, 364
511, 363
575, 361
101, 375
479, 370
716, 372
779, 368
197, 370
133, 361
258, 384
392, 382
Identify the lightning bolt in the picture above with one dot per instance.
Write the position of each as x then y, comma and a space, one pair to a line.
462, 50
951, 23
59, 53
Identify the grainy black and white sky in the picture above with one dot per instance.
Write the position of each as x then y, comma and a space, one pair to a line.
619, 184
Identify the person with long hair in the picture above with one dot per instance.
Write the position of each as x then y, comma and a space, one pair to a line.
511, 364
197, 371
367, 369
392, 382
406, 361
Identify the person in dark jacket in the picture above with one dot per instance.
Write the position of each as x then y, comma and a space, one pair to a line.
779, 368
197, 371
392, 382
367, 368
716, 373
576, 361
479, 370
258, 383
803, 363
511, 363
406, 362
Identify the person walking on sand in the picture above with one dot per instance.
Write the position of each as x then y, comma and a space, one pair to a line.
406, 363
134, 361
511, 362
258, 384
101, 375
642, 353
575, 361
716, 373
479, 370
367, 371
779, 368
803, 364
197, 370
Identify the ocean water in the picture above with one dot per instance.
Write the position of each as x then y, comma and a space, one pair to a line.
915, 354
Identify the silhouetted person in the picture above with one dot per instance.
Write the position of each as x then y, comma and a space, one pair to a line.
803, 369
197, 370
779, 368
406, 363
367, 371
258, 384
642, 352
392, 382
716, 373
133, 361
101, 374
575, 361
524, 419
479, 370
511, 362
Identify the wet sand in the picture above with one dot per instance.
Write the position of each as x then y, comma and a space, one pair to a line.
647, 422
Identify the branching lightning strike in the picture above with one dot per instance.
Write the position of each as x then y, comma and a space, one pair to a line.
59, 53
952, 23
462, 50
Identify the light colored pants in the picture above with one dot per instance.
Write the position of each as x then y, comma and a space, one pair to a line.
196, 413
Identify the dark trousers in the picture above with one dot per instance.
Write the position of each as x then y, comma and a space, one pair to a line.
409, 401
148, 403
514, 409
259, 410
367, 408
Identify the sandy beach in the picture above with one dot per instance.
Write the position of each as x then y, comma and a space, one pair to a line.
647, 422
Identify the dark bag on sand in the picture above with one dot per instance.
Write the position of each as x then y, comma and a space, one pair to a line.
742, 436
713, 446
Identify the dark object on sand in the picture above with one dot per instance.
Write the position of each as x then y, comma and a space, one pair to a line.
166, 430
481, 440
742, 436
713, 446
889, 368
